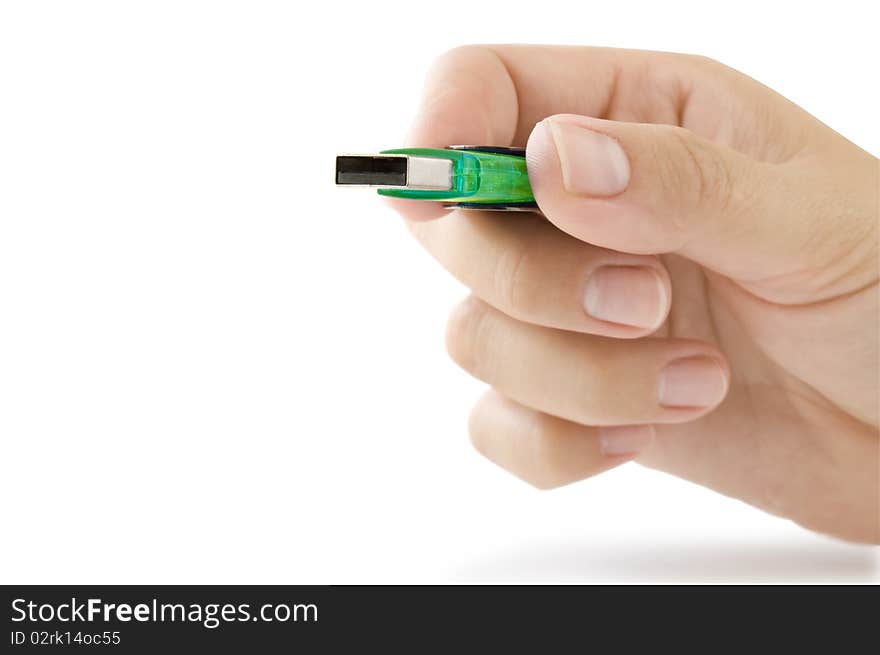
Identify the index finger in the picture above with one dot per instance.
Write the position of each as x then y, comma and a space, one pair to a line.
494, 95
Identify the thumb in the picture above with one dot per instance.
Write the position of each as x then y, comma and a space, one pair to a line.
650, 188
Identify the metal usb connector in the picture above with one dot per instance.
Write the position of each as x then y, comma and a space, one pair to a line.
394, 172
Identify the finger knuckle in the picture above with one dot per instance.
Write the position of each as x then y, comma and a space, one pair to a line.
419, 229
700, 171
704, 62
543, 482
542, 464
459, 55
477, 427
466, 336
523, 447
511, 280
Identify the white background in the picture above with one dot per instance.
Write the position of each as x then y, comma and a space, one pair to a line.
217, 367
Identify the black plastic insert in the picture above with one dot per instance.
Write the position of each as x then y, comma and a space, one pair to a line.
380, 170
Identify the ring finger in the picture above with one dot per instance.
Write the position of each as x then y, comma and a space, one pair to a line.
588, 379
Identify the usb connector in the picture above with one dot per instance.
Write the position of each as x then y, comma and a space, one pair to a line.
395, 172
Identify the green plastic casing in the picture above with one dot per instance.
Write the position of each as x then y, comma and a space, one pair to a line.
477, 178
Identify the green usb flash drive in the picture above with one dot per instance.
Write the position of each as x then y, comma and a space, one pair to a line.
468, 177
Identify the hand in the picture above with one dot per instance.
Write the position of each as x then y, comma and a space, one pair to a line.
701, 294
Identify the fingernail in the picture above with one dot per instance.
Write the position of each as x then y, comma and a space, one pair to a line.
629, 295
592, 164
692, 382
625, 439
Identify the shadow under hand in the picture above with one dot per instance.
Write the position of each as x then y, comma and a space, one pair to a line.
822, 561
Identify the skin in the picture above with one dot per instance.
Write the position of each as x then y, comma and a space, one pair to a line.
760, 227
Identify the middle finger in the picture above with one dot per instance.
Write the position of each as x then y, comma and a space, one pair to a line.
525, 267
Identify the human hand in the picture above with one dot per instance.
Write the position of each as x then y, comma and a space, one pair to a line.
701, 294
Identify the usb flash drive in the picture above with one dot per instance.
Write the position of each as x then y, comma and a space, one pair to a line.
467, 177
